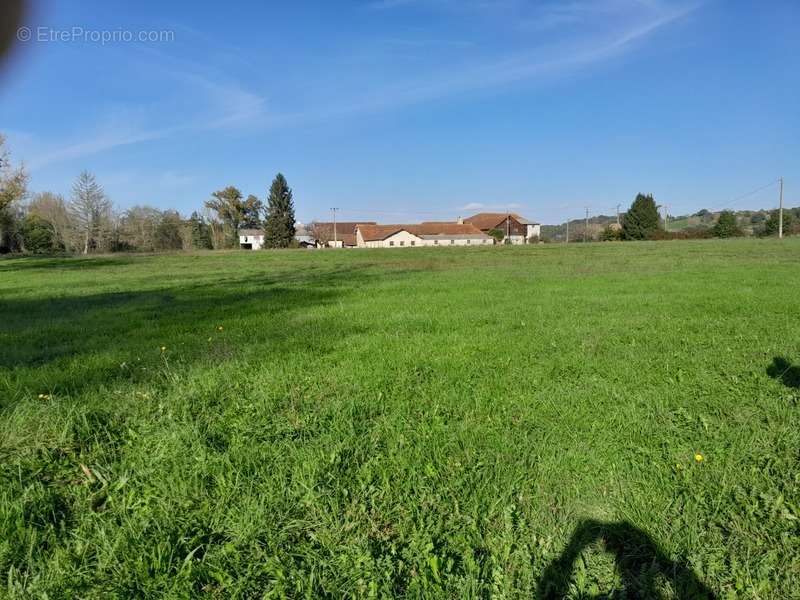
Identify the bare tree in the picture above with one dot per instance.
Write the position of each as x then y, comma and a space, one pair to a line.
52, 209
90, 208
138, 227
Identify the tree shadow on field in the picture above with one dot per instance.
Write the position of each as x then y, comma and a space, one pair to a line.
640, 563
62, 263
784, 371
67, 344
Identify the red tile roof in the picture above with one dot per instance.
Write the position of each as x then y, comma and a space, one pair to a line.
486, 221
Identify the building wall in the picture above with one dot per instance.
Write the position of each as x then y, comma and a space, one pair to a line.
404, 239
256, 240
458, 242
401, 239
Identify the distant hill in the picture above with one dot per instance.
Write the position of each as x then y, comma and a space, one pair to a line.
751, 222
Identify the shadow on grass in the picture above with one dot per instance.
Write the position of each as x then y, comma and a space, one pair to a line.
73, 343
60, 262
783, 370
641, 564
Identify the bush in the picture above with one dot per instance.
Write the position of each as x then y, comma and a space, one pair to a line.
771, 224
610, 234
726, 226
38, 236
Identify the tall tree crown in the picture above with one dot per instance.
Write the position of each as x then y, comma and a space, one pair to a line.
279, 228
641, 220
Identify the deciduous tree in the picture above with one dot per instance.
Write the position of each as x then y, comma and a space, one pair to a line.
13, 188
233, 211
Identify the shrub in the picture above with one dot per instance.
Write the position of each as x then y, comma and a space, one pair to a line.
610, 234
38, 236
726, 225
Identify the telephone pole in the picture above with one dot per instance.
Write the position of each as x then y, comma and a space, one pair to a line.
618, 205
666, 218
508, 226
335, 240
586, 226
568, 230
780, 213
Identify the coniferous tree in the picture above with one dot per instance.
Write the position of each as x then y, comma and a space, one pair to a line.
201, 232
279, 228
90, 208
641, 220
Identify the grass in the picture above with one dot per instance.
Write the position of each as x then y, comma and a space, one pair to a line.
504, 422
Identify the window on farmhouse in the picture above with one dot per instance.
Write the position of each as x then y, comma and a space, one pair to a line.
469, 241
452, 242
402, 243
391, 243
413, 243
435, 242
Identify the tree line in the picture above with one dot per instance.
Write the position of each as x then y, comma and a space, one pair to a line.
87, 222
643, 222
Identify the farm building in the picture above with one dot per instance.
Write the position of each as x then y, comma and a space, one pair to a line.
423, 234
342, 236
519, 229
251, 239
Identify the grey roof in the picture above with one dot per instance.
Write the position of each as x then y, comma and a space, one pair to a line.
251, 232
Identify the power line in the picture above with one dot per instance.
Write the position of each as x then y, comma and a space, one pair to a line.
743, 196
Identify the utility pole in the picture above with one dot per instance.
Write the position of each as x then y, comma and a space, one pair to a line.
335, 240
666, 218
618, 205
586, 226
780, 213
568, 230
508, 226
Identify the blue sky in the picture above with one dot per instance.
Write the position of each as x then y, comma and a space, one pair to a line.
398, 110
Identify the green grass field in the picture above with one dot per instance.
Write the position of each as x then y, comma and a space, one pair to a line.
495, 423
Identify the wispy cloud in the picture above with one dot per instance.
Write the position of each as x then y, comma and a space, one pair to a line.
225, 104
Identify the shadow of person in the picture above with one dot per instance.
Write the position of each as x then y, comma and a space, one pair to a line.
783, 370
642, 566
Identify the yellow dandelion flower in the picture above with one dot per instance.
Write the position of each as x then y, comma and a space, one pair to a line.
163, 348
699, 457
219, 328
41, 396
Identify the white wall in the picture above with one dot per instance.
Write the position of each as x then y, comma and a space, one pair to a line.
256, 240
404, 239
401, 239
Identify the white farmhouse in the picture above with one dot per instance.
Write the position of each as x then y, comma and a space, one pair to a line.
251, 239
423, 234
